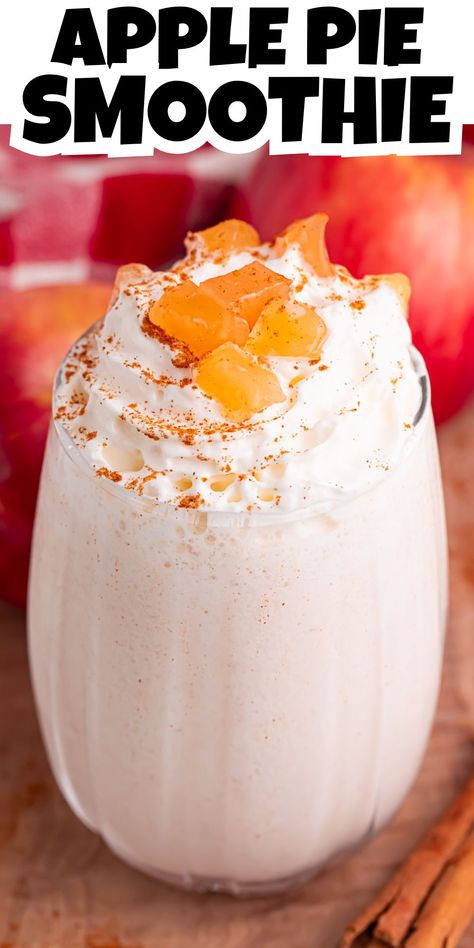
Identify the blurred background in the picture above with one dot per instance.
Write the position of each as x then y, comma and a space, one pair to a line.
66, 224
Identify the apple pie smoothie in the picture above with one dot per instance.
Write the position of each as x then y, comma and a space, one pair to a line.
238, 584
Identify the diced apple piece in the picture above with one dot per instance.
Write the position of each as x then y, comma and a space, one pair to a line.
308, 235
191, 314
130, 274
287, 329
247, 290
236, 380
227, 236
401, 284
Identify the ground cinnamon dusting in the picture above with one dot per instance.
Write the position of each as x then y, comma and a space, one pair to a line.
138, 483
74, 409
110, 475
184, 358
302, 282
87, 435
191, 502
162, 380
161, 426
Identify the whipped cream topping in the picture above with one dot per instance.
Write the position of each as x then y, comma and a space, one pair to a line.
132, 407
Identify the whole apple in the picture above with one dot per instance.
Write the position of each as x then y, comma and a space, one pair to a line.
37, 327
388, 214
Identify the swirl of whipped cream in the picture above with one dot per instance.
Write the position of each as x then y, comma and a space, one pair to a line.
131, 405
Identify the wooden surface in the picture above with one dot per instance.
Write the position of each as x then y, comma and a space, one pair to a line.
59, 885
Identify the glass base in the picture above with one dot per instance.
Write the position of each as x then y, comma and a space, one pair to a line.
201, 884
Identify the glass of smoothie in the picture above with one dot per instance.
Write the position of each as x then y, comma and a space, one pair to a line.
238, 585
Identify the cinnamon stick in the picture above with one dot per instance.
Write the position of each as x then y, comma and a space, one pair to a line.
434, 888
450, 907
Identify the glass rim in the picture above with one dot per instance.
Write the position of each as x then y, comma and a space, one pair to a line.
149, 503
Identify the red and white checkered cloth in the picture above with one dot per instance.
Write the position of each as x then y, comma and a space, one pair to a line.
66, 218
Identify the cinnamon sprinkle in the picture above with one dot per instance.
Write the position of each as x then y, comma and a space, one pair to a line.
161, 380
157, 428
74, 409
302, 282
88, 435
184, 358
191, 502
138, 483
110, 475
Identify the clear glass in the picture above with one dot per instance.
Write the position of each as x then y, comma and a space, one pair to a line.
232, 700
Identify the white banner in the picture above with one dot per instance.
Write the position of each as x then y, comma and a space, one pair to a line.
398, 76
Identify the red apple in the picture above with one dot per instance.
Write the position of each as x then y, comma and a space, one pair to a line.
468, 135
37, 327
414, 215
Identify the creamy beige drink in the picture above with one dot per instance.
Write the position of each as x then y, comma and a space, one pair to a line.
237, 603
